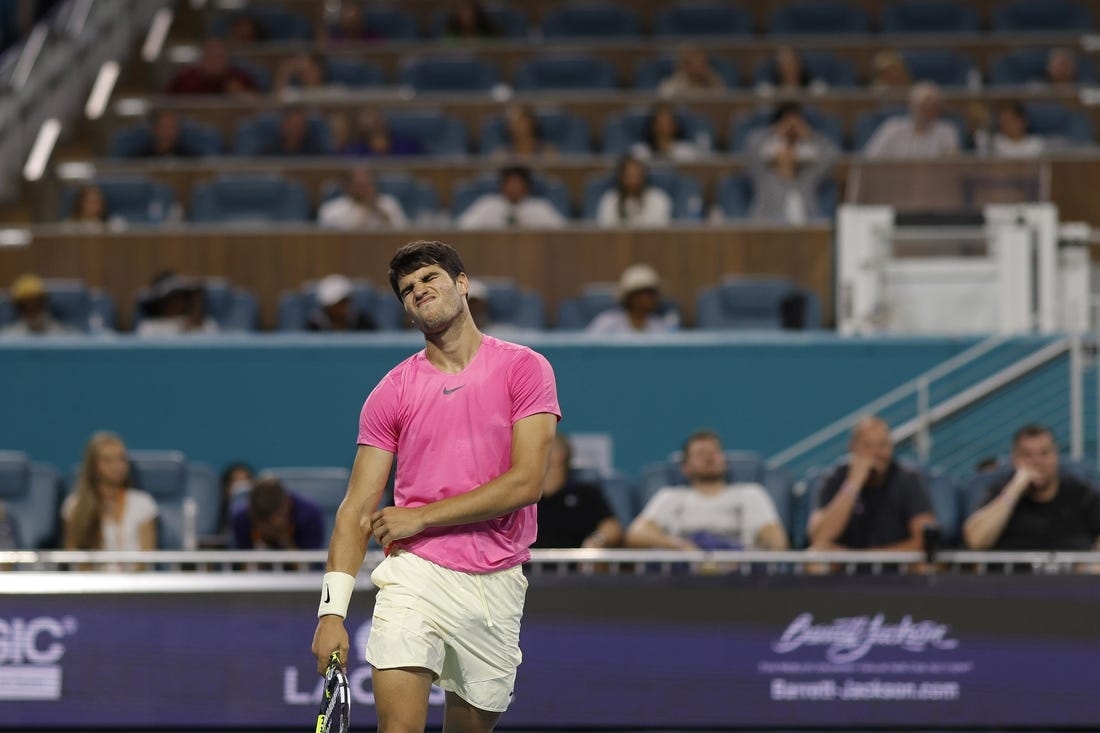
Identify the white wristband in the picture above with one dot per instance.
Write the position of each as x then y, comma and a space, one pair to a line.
336, 595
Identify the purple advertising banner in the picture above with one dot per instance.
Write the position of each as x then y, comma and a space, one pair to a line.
637, 651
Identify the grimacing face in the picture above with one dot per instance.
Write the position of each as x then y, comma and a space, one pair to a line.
432, 299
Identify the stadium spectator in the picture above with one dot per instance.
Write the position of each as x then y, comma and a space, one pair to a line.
104, 512
214, 74
174, 305
166, 139
693, 75
1035, 506
90, 208
335, 311
787, 73
632, 201
664, 137
1011, 138
920, 134
351, 26
294, 138
477, 298
1061, 67
277, 519
573, 513
871, 502
361, 205
514, 206
468, 20
236, 480
787, 162
709, 513
640, 309
304, 71
32, 308
371, 136
523, 135
889, 72
9, 531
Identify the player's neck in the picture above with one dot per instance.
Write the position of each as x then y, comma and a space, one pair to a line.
452, 350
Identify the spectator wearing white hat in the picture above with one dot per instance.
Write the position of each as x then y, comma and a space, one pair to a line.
174, 305
32, 307
335, 311
640, 309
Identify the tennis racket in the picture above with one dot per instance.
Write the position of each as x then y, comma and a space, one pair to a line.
335, 713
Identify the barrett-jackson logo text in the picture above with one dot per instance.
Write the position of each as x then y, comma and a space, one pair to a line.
850, 639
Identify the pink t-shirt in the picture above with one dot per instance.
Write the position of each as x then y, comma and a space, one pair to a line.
453, 433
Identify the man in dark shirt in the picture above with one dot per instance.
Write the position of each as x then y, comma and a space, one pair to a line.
277, 519
572, 513
872, 502
214, 74
1038, 507
166, 138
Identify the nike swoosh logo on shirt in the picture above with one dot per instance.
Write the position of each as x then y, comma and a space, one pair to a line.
453, 389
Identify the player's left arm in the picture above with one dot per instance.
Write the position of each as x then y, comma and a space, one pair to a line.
519, 486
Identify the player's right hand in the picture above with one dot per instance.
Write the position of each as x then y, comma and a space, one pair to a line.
330, 636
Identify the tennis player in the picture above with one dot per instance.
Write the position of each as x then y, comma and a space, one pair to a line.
471, 420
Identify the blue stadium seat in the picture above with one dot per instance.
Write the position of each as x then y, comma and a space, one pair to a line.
946, 67
255, 135
734, 193
1056, 120
574, 314
389, 23
276, 23
590, 20
929, 16
378, 302
31, 492
434, 74
418, 198
134, 199
353, 73
1028, 65
740, 126
819, 17
623, 130
203, 139
325, 487
683, 189
617, 488
249, 199
822, 67
437, 134
511, 305
649, 73
172, 480
565, 72
233, 309
567, 132
702, 19
1041, 16
510, 21
548, 187
755, 303
260, 74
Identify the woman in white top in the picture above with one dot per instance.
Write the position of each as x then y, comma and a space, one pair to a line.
103, 513
633, 202
664, 137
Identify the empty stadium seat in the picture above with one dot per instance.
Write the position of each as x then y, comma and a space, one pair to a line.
511, 22
276, 23
548, 187
378, 302
1042, 16
1028, 65
622, 131
325, 487
195, 136
249, 199
436, 133
823, 67
353, 73
256, 135
30, 492
172, 480
133, 199
683, 189
1056, 120
590, 20
649, 73
574, 314
73, 303
734, 194
461, 74
510, 305
567, 132
389, 23
757, 303
740, 126
564, 72
819, 17
929, 16
946, 67
702, 19
418, 198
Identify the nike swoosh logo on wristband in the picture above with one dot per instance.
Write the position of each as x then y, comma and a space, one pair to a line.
328, 596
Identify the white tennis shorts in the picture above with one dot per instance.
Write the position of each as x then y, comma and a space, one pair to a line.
464, 627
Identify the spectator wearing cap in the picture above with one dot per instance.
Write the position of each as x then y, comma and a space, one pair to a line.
512, 207
175, 305
639, 309
361, 206
633, 201
477, 296
32, 307
335, 311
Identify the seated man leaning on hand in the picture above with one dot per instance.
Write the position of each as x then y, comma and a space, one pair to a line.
1037, 507
709, 514
871, 502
